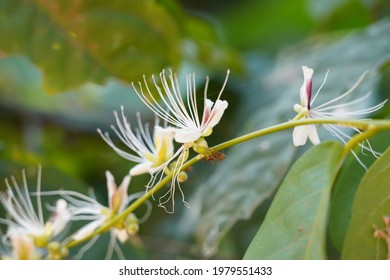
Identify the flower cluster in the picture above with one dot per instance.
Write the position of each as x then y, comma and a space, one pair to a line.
27, 233
29, 237
87, 208
331, 109
154, 153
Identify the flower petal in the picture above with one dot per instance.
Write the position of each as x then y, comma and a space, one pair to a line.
216, 114
163, 141
23, 247
313, 134
300, 134
111, 187
208, 105
88, 228
187, 136
123, 192
141, 168
305, 91
121, 234
61, 217
117, 195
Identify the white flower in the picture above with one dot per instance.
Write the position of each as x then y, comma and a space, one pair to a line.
330, 109
27, 232
190, 127
183, 115
87, 208
301, 133
152, 153
60, 218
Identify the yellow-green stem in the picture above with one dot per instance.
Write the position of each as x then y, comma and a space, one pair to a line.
371, 131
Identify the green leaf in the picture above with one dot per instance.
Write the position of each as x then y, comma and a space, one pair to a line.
346, 185
295, 225
241, 183
78, 41
342, 198
372, 202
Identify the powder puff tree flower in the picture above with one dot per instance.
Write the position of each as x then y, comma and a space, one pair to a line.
150, 152
183, 115
27, 230
190, 127
87, 208
330, 109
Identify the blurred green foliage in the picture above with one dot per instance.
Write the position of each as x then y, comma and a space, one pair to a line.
66, 65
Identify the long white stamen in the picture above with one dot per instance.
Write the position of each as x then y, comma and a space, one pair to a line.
318, 91
170, 194
345, 93
194, 102
176, 99
336, 132
39, 201
86, 247
114, 247
126, 135
27, 209
345, 105
155, 107
182, 115
8, 222
224, 84
192, 117
23, 212
145, 134
122, 153
364, 111
172, 102
172, 105
67, 194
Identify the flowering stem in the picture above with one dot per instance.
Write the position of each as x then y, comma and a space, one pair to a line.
379, 125
369, 127
300, 115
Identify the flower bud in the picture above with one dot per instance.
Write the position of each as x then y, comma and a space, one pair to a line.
201, 146
182, 177
132, 224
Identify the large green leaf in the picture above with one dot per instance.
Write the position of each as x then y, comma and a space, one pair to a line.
78, 41
295, 225
342, 198
372, 202
244, 186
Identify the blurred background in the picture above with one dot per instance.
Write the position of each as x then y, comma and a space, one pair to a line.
65, 66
